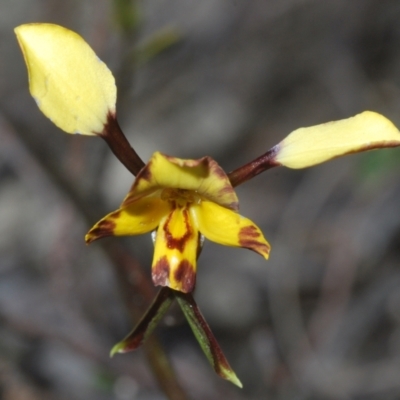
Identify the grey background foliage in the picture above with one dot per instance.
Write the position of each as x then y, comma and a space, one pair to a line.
320, 319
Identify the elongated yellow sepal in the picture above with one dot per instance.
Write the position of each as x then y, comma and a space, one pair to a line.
70, 84
305, 147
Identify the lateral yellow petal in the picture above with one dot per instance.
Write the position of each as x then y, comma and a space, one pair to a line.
305, 147
140, 217
175, 253
203, 176
70, 84
228, 228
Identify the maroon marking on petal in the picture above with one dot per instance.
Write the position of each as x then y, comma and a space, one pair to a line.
217, 170
178, 243
228, 190
186, 276
103, 229
145, 173
160, 272
373, 146
249, 232
247, 239
189, 163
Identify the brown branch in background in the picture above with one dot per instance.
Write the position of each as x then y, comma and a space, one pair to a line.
161, 367
137, 290
255, 167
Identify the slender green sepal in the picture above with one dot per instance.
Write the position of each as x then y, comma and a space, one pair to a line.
206, 339
127, 15
160, 41
147, 324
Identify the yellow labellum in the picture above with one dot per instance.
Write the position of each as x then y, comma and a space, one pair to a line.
305, 147
70, 84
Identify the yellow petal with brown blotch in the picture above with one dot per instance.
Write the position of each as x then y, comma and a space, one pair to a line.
203, 177
139, 217
305, 147
175, 253
70, 84
228, 228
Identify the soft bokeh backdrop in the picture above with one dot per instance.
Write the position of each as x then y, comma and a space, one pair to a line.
228, 79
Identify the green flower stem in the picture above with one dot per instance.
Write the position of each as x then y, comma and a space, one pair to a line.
127, 15
162, 370
206, 339
147, 323
160, 41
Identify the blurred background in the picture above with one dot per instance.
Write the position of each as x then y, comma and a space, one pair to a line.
228, 79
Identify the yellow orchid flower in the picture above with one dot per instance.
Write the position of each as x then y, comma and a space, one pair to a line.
182, 200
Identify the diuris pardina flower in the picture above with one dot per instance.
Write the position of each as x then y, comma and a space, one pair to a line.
182, 200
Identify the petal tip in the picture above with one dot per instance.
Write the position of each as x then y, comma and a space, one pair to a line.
250, 237
102, 229
117, 348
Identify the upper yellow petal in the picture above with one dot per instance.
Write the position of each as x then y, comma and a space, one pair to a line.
140, 217
175, 252
305, 147
228, 228
70, 84
203, 176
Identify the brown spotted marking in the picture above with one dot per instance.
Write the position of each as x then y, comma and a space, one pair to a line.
178, 243
248, 236
228, 190
160, 272
145, 173
104, 228
185, 275
217, 170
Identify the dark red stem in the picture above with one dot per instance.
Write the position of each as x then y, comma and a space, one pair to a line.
255, 167
120, 146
